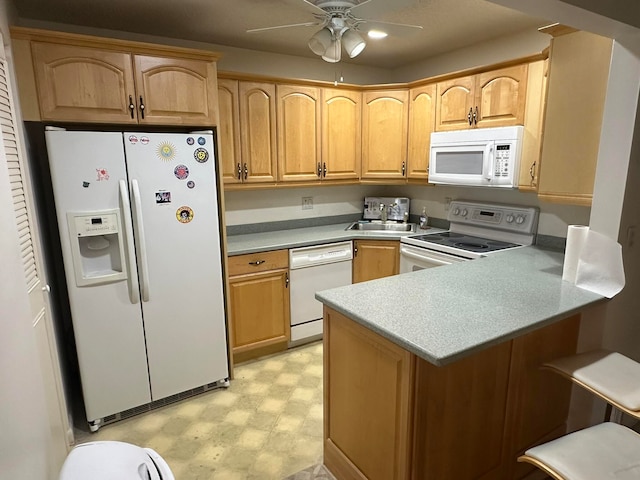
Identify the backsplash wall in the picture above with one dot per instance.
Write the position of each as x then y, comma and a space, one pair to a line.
258, 206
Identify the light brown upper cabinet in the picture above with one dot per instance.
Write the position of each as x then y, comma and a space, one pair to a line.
494, 98
229, 131
258, 131
341, 134
298, 127
578, 76
79, 83
421, 124
384, 134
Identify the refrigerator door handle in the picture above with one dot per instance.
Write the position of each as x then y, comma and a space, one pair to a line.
142, 245
134, 294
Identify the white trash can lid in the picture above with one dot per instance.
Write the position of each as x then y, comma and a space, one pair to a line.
111, 460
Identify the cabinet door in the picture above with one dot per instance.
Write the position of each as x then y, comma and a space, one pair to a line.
578, 75
421, 124
176, 91
384, 134
375, 259
368, 386
500, 97
341, 134
258, 131
229, 131
259, 311
454, 104
298, 115
83, 84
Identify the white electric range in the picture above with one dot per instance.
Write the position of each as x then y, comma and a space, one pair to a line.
476, 229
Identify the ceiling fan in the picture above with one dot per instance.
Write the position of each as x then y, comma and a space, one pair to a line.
341, 28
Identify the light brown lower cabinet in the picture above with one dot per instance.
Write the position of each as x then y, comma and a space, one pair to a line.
390, 415
259, 304
375, 259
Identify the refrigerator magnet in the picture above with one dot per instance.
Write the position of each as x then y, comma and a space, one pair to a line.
191, 184
184, 214
103, 174
190, 141
202, 140
144, 140
163, 197
133, 139
201, 155
166, 151
181, 172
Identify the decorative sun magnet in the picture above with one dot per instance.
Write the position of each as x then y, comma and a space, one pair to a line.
166, 151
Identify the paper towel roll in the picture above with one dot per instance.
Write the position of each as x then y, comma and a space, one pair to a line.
576, 236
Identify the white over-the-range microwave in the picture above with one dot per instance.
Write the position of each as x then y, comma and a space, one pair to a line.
482, 157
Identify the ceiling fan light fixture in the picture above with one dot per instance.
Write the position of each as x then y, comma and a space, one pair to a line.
334, 52
377, 34
321, 41
353, 43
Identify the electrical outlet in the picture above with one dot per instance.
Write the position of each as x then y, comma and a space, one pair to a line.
307, 203
631, 236
447, 203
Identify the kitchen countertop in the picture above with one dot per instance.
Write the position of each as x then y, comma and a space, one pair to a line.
444, 314
302, 237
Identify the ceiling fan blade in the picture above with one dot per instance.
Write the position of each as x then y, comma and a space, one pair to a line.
368, 8
396, 29
266, 29
315, 9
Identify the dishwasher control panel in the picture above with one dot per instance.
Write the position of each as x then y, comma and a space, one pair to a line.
320, 255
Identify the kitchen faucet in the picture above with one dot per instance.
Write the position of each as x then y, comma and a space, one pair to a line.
384, 211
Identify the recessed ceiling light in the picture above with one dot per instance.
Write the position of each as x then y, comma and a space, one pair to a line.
377, 34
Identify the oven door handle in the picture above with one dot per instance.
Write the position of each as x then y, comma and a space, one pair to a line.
414, 256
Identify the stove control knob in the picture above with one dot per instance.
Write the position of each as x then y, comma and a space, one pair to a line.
520, 219
509, 218
464, 212
456, 211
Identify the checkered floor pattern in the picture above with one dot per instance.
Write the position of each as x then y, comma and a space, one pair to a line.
266, 425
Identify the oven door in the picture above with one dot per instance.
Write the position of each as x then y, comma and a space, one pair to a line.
416, 258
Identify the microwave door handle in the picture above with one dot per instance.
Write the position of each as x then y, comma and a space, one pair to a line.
489, 165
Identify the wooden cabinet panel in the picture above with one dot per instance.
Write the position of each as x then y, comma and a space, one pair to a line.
375, 259
455, 103
460, 412
341, 134
229, 131
298, 117
367, 404
259, 303
578, 76
538, 399
422, 108
258, 131
384, 134
500, 96
83, 84
175, 91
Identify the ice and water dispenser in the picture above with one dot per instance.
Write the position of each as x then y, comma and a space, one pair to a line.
97, 247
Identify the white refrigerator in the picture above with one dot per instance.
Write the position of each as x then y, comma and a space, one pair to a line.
140, 235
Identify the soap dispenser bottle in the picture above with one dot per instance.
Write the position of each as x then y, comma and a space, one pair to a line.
424, 219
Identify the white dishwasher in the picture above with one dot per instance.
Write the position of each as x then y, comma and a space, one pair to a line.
312, 269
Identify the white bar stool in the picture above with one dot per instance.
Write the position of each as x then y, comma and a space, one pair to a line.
604, 451
608, 375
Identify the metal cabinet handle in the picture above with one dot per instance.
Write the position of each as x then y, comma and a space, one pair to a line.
257, 262
132, 107
475, 116
532, 174
239, 171
469, 118
324, 169
141, 107
403, 168
246, 171
355, 249
286, 280
319, 170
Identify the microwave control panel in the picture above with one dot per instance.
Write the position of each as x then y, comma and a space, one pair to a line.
502, 159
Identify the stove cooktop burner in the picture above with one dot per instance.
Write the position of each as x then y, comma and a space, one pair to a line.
465, 242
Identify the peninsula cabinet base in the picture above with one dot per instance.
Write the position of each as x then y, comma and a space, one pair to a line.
389, 415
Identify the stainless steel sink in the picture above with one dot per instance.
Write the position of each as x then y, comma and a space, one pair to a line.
388, 227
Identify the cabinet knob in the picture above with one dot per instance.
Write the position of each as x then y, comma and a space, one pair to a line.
257, 262
246, 171
532, 173
469, 118
319, 170
239, 171
475, 116
403, 168
132, 107
141, 107
324, 169
355, 249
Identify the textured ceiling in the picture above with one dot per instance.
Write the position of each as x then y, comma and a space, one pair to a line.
447, 24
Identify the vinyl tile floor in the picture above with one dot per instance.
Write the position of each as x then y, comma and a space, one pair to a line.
266, 425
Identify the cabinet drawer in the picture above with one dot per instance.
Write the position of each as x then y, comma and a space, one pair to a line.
258, 262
